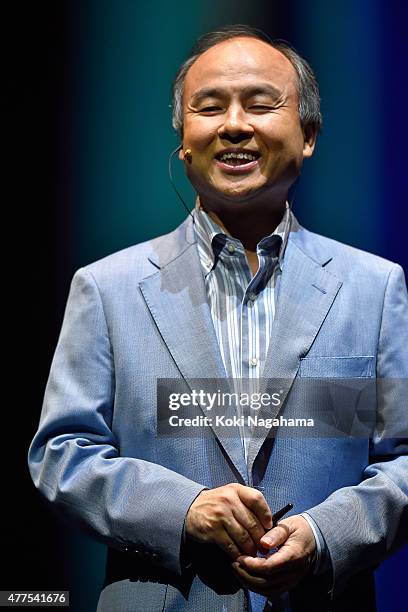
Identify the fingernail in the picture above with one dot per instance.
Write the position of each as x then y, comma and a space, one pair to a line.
268, 540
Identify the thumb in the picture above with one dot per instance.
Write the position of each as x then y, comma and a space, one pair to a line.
276, 536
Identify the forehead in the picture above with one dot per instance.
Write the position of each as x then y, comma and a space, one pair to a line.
235, 61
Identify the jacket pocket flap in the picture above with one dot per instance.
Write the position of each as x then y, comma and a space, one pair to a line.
337, 367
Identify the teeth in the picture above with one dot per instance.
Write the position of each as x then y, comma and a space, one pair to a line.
247, 156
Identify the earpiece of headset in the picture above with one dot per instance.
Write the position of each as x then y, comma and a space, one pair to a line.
188, 156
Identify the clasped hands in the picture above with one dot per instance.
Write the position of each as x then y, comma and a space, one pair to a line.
238, 519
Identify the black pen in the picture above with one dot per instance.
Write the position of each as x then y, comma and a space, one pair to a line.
280, 513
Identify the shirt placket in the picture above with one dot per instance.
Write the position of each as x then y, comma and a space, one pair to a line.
233, 257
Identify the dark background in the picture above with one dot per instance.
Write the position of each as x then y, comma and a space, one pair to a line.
87, 112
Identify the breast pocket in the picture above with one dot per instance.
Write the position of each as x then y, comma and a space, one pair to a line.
337, 367
342, 392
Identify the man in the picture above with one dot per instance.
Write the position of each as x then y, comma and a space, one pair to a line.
239, 291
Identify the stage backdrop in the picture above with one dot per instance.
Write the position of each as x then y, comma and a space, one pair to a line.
109, 139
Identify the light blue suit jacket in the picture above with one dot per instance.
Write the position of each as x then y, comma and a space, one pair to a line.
142, 314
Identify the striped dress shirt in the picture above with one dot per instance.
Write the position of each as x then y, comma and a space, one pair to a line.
242, 307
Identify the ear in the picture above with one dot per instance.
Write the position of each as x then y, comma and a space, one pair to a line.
309, 142
181, 153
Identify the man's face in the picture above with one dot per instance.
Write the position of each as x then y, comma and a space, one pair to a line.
241, 95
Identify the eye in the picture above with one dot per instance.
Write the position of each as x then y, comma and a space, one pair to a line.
210, 109
260, 107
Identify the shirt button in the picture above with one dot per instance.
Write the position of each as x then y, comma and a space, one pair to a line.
252, 297
253, 361
231, 247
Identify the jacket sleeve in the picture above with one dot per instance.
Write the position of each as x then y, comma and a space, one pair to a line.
364, 524
74, 458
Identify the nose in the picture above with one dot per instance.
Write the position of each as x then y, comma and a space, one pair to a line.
235, 126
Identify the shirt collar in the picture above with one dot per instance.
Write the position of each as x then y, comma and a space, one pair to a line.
212, 239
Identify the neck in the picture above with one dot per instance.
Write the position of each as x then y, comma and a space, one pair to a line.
247, 223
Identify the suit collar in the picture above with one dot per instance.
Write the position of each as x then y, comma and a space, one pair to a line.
165, 249
169, 247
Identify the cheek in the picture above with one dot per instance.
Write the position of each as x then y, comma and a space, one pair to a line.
287, 143
200, 133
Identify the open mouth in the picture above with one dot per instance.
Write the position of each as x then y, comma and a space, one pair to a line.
239, 158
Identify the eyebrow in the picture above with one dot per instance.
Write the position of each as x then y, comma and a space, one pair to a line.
251, 90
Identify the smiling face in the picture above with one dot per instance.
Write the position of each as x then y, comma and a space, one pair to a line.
241, 122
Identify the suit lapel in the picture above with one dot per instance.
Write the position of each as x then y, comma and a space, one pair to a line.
177, 299
178, 303
306, 294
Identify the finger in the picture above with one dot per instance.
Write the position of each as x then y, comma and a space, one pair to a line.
250, 522
240, 536
270, 587
249, 579
276, 580
255, 501
227, 544
261, 566
276, 536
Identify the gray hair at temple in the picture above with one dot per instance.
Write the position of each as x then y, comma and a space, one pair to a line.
307, 86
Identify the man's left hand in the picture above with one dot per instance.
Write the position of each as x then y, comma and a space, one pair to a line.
282, 570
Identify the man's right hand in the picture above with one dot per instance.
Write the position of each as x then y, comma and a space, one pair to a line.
234, 517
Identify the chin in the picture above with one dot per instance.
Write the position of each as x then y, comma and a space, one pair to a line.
239, 193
